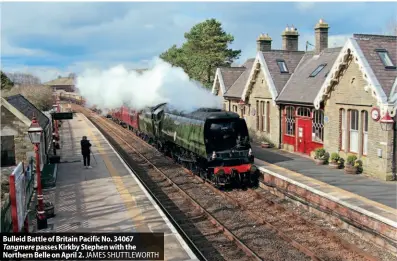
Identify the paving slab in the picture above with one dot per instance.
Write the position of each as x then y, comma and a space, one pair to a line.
383, 192
106, 198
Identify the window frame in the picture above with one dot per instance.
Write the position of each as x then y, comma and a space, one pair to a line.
365, 127
305, 109
318, 115
318, 70
290, 120
357, 131
379, 51
281, 61
11, 160
343, 129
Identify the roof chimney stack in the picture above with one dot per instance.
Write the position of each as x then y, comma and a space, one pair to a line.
290, 38
321, 30
263, 43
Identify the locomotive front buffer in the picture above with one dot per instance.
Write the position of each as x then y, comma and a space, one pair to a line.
234, 168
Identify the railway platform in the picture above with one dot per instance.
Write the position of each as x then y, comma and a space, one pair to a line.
107, 197
357, 203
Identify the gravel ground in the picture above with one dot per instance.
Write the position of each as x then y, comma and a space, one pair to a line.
311, 217
211, 242
260, 239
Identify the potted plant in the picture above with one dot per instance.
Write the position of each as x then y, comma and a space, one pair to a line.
321, 156
350, 167
359, 165
334, 160
265, 143
341, 163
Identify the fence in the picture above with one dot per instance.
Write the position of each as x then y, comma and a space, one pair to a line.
6, 211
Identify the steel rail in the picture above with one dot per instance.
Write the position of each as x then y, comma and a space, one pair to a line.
218, 224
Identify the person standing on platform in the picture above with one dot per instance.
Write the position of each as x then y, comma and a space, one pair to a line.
86, 151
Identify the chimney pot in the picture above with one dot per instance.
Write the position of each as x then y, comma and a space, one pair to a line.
264, 43
290, 38
321, 32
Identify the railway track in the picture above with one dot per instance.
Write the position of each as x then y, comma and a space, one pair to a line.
276, 231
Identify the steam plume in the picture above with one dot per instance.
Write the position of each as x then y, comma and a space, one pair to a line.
115, 87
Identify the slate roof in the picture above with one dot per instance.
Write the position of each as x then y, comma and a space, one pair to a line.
291, 59
237, 87
28, 109
230, 75
63, 81
301, 88
368, 45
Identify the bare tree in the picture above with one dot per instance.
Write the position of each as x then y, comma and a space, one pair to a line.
39, 95
23, 78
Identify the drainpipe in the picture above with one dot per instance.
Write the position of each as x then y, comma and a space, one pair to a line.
394, 167
280, 125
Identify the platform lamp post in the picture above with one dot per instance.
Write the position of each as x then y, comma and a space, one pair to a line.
387, 124
35, 132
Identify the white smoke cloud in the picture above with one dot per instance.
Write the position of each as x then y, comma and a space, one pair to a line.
112, 88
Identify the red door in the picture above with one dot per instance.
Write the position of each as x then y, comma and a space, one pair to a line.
304, 135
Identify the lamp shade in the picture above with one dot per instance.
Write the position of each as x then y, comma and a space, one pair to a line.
386, 122
35, 132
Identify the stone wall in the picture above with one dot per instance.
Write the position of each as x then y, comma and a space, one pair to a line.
260, 92
350, 94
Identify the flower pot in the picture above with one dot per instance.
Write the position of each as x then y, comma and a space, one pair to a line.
334, 165
265, 145
350, 169
319, 161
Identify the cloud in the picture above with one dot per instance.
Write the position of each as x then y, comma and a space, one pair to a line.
305, 6
70, 36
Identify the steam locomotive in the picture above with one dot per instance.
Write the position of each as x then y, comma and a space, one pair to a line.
212, 143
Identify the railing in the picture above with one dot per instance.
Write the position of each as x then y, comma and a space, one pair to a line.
6, 220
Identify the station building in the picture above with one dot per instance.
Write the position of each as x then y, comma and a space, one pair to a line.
332, 98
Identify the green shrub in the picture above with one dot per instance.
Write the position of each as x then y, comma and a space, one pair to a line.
359, 165
334, 157
320, 152
351, 159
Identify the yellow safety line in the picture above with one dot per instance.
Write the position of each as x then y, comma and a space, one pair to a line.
128, 199
323, 184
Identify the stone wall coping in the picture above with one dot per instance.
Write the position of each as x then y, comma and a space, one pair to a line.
330, 197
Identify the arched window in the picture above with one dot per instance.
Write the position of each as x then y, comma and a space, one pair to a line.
290, 121
365, 132
318, 126
354, 131
303, 112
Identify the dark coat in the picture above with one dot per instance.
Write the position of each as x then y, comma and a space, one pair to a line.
85, 147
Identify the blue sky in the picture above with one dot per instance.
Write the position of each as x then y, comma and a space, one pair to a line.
48, 39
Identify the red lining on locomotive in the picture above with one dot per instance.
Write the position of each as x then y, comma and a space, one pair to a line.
228, 170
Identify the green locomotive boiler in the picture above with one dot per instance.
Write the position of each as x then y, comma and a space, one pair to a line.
212, 143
